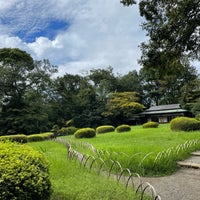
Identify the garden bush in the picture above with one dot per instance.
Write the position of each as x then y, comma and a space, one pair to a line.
85, 133
105, 129
150, 125
184, 124
14, 138
123, 128
67, 131
24, 173
39, 137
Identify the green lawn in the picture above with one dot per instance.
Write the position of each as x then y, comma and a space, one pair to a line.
143, 145
70, 181
145, 151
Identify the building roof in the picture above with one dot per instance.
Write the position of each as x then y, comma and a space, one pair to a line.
164, 109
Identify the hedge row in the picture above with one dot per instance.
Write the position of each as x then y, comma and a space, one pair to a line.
90, 132
24, 173
30, 138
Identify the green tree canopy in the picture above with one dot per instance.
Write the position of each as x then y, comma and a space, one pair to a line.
24, 86
173, 25
123, 105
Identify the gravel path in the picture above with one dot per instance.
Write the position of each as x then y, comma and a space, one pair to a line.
182, 185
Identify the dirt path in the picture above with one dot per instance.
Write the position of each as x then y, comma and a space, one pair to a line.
182, 185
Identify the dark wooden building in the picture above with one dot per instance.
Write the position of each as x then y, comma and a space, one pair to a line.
163, 113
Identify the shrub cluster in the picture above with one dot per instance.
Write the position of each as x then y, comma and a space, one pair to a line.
67, 131
39, 137
184, 124
14, 138
85, 133
150, 125
123, 128
24, 173
24, 139
105, 129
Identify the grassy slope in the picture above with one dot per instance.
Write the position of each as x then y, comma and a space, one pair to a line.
71, 181
139, 142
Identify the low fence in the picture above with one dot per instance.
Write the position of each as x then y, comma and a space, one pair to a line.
111, 168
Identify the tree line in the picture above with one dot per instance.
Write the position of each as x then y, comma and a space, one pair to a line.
32, 100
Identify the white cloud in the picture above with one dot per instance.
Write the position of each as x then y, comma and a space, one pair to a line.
102, 33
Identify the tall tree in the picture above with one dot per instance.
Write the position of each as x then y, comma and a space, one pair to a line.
122, 105
173, 25
20, 78
165, 79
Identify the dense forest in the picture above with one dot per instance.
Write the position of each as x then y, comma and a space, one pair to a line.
33, 99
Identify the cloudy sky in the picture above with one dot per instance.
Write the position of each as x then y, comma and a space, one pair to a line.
75, 35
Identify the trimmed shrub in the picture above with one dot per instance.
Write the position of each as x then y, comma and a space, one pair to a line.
39, 137
24, 173
85, 133
123, 128
150, 125
184, 124
67, 131
14, 138
105, 129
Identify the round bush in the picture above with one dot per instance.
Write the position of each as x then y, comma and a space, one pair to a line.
150, 125
123, 128
67, 131
85, 133
23, 173
184, 124
105, 129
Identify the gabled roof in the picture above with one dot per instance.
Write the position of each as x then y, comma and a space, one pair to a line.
164, 109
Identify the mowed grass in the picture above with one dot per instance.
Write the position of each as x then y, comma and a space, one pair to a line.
70, 181
138, 148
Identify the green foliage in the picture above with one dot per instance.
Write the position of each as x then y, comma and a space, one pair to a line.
85, 133
123, 128
184, 124
39, 137
150, 125
122, 105
30, 138
105, 129
164, 24
67, 131
14, 138
23, 81
23, 173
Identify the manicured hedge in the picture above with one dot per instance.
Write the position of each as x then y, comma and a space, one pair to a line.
85, 133
123, 128
14, 138
39, 137
30, 138
24, 173
184, 124
150, 125
105, 129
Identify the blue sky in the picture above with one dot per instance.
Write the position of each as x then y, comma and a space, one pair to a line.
75, 35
